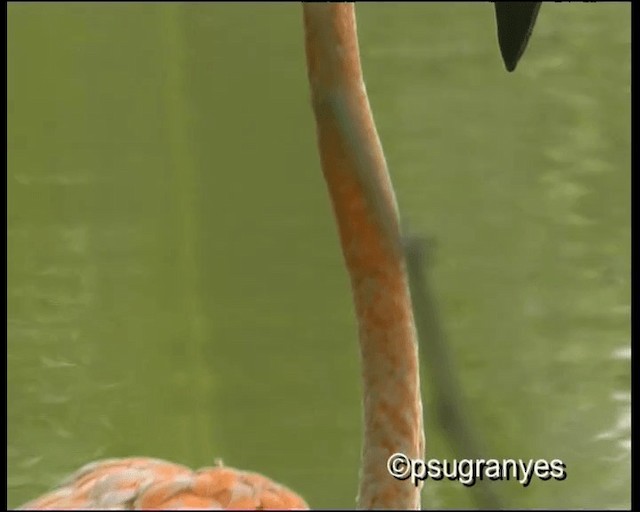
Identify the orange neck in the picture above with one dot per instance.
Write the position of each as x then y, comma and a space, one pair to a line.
364, 204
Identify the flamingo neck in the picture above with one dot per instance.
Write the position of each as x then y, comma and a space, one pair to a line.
365, 208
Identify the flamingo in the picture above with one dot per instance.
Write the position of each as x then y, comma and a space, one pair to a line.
366, 213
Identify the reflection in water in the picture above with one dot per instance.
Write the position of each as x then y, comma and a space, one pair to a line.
620, 431
449, 407
51, 291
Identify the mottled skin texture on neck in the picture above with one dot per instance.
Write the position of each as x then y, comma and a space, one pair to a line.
364, 204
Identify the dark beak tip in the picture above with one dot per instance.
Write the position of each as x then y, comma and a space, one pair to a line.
515, 21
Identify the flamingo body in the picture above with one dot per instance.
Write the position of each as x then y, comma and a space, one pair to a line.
141, 483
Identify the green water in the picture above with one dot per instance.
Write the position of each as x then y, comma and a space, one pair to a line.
175, 287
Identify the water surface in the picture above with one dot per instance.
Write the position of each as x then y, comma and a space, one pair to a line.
175, 285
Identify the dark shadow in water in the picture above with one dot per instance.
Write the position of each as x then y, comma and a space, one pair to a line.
437, 365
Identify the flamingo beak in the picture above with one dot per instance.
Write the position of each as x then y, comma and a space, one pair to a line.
515, 22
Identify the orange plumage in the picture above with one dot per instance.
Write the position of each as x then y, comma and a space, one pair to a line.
141, 483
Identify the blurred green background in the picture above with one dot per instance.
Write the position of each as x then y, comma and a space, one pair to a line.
175, 285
